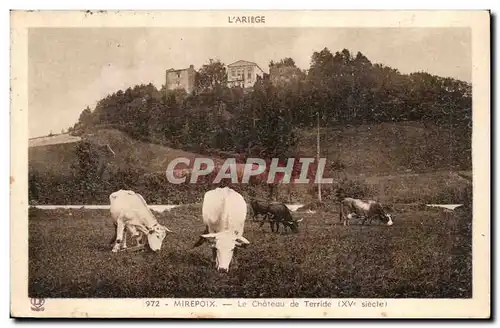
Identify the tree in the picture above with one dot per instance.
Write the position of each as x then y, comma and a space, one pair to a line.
285, 62
212, 76
85, 118
321, 64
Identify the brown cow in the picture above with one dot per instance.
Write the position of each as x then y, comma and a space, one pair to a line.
350, 207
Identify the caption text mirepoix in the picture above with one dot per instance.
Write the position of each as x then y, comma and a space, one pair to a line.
268, 304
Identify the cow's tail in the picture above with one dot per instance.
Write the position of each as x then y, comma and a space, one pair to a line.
341, 211
113, 240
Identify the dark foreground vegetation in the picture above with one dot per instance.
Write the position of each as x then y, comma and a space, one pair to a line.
424, 255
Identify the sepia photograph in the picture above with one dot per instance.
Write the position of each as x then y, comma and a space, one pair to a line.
299, 167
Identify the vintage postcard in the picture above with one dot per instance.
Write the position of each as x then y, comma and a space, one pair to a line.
250, 164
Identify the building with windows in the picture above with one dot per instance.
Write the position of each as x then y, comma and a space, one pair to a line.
181, 79
243, 74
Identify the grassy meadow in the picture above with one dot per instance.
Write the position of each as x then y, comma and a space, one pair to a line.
425, 254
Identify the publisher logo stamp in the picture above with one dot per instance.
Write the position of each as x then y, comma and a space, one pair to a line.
37, 304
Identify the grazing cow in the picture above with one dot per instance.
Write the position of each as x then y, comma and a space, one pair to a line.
224, 213
130, 211
276, 213
280, 213
350, 208
259, 207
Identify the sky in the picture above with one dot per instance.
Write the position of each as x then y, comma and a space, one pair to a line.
72, 68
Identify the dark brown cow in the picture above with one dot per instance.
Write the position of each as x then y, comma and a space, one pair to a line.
275, 213
259, 207
280, 213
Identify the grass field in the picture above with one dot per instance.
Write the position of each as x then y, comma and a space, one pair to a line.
423, 255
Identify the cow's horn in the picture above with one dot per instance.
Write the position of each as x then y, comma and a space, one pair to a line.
242, 241
168, 230
300, 220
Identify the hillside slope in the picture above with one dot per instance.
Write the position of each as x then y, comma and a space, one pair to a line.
367, 150
392, 148
58, 159
395, 163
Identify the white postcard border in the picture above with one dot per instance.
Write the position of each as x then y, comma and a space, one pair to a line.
478, 306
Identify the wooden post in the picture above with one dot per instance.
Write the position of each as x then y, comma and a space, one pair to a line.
317, 159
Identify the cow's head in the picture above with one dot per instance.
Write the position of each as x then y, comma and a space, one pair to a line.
224, 243
294, 225
156, 234
387, 219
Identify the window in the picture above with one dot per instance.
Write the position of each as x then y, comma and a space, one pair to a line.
233, 72
249, 75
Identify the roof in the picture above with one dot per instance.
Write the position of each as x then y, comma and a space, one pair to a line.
178, 70
244, 63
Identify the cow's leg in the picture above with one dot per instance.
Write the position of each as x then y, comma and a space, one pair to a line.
363, 219
368, 218
140, 240
262, 221
136, 234
235, 258
120, 227
214, 254
343, 218
113, 240
124, 242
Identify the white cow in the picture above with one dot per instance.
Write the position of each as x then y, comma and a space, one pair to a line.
224, 213
130, 211
351, 207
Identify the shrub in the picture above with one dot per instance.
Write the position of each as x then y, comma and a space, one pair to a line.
352, 188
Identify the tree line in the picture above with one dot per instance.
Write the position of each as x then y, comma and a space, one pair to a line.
265, 122
341, 88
